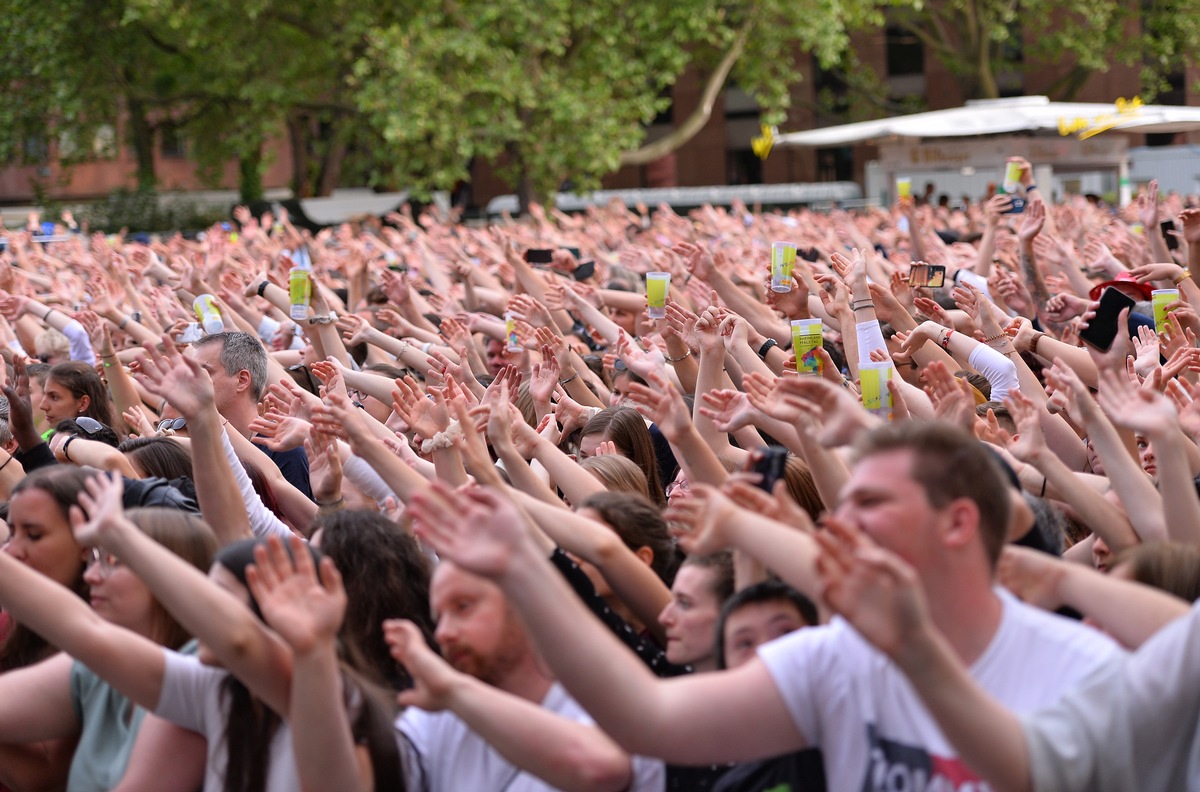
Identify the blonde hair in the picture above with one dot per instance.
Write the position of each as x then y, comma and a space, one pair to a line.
618, 474
52, 344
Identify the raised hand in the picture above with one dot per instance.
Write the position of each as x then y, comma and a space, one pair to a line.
1031, 442
841, 416
478, 529
179, 379
699, 521
1142, 410
102, 502
433, 678
662, 404
281, 432
304, 609
324, 466
729, 410
877, 592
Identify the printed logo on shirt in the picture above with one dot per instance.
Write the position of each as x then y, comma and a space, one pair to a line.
895, 767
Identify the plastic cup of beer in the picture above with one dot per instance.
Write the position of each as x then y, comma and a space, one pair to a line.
657, 285
1161, 298
299, 291
510, 333
806, 340
872, 382
783, 260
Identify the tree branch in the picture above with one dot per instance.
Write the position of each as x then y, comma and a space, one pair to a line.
700, 116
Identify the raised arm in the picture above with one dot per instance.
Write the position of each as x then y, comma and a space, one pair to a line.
565, 754
682, 720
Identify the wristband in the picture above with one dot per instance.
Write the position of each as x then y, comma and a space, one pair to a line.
1033, 345
1186, 274
123, 323
1030, 188
48, 312
765, 348
945, 343
262, 287
66, 445
573, 376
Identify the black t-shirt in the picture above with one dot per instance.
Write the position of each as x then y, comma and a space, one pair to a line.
293, 465
801, 771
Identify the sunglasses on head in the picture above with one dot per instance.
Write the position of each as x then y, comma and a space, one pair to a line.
89, 426
172, 424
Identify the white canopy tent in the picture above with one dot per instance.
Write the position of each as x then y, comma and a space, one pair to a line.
1067, 135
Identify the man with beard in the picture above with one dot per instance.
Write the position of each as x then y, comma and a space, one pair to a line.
494, 719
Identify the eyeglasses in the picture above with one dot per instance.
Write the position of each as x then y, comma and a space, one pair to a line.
104, 562
172, 424
680, 486
89, 426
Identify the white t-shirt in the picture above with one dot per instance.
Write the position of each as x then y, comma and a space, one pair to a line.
451, 757
191, 698
850, 700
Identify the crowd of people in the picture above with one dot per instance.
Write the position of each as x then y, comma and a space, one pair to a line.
412, 504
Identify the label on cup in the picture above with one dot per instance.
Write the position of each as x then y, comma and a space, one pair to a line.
510, 333
806, 340
872, 382
1161, 298
783, 260
1012, 177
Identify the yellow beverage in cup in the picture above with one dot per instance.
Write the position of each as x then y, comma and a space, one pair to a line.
872, 382
1161, 298
783, 260
657, 284
806, 340
903, 188
299, 291
205, 307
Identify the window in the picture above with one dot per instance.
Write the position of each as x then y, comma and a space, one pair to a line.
742, 166
172, 143
905, 52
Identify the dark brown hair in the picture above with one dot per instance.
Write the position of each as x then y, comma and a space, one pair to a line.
640, 524
628, 431
82, 380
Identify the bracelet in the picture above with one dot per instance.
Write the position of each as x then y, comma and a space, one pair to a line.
48, 312
331, 506
123, 323
945, 342
262, 287
10, 459
1033, 345
996, 337
426, 347
684, 356
328, 318
860, 304
766, 347
1186, 274
66, 445
573, 376
442, 440
1030, 188
1040, 496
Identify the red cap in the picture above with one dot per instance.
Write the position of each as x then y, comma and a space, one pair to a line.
1122, 279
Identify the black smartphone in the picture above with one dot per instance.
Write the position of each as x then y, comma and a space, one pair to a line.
769, 466
1103, 328
1168, 232
539, 255
584, 271
930, 275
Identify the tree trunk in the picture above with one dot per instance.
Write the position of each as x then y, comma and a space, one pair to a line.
250, 181
297, 125
141, 135
332, 158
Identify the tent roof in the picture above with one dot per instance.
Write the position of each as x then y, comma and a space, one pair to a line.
999, 116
